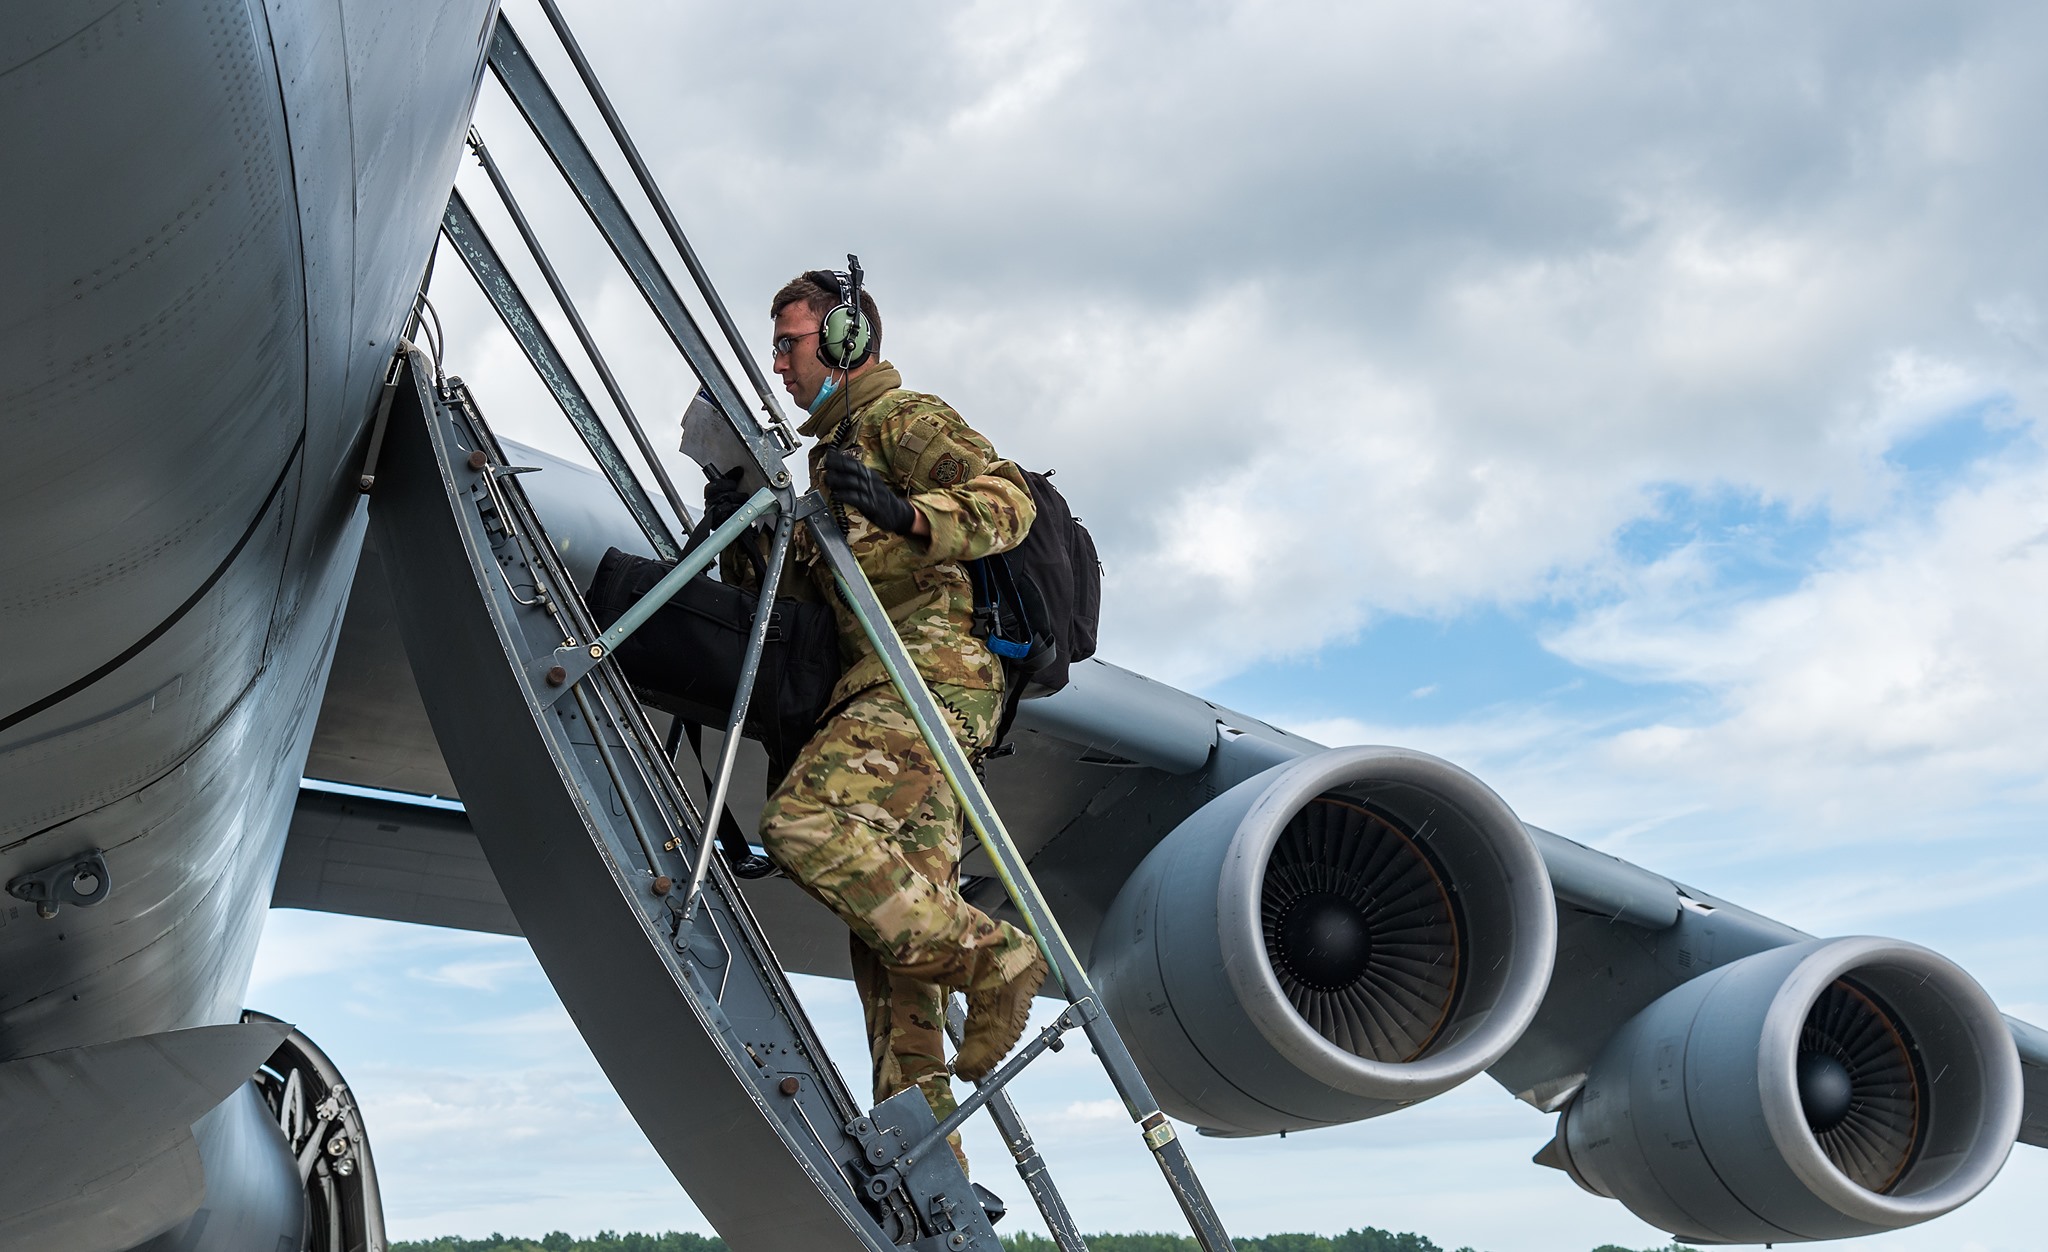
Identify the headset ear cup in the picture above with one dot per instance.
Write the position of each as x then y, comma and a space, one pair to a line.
863, 338
832, 339
843, 338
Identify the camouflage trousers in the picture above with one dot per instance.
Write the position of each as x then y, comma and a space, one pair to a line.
866, 822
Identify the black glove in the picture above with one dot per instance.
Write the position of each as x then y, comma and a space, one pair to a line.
722, 496
852, 483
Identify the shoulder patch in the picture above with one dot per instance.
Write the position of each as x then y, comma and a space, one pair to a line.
922, 431
948, 469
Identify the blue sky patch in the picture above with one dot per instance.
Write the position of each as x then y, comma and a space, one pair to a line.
1431, 670
1976, 432
1760, 545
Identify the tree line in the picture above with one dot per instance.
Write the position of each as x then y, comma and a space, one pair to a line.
1369, 1239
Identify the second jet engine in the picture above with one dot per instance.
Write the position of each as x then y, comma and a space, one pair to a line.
1821, 1090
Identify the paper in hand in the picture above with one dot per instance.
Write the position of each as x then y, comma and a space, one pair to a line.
710, 441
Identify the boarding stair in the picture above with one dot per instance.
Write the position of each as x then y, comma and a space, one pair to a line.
604, 855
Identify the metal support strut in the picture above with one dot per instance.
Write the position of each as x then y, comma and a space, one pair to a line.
459, 227
1031, 1166
750, 669
777, 423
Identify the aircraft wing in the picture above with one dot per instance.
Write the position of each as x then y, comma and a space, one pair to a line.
1230, 883
1101, 772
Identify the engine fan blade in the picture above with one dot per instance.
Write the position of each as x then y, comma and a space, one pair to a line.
1850, 1031
1360, 931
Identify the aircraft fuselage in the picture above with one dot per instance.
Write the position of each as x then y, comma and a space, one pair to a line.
227, 209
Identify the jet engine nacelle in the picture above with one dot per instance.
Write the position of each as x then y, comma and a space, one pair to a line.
1823, 1090
1330, 940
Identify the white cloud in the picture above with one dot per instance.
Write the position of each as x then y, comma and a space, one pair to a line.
1326, 314
335, 947
1089, 1111
1908, 674
1896, 689
476, 975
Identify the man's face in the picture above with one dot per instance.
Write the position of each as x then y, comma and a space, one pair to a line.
801, 371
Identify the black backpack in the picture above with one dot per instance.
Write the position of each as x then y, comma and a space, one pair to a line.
1038, 605
686, 659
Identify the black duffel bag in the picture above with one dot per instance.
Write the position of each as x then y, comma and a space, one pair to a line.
686, 659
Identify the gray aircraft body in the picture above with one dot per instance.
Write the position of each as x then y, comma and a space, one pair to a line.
216, 216
208, 275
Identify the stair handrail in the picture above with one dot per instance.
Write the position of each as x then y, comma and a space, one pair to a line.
575, 660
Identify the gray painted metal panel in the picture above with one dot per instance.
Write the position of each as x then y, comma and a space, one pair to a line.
255, 1201
1608, 970
1125, 715
1241, 755
707, 1016
400, 862
177, 550
161, 298
2032, 1042
191, 854
405, 862
373, 730
1607, 885
96, 1146
176, 350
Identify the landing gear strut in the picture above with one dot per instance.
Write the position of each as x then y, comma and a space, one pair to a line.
324, 1129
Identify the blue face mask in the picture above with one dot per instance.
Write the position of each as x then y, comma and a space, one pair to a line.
824, 394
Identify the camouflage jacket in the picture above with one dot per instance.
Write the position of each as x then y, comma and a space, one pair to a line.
976, 502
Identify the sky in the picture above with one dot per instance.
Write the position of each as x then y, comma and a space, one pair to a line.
1638, 405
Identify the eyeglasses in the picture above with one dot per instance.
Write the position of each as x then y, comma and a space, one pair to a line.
787, 344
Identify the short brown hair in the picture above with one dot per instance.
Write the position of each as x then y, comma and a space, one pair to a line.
817, 291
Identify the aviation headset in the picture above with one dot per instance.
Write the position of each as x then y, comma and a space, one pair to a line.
845, 336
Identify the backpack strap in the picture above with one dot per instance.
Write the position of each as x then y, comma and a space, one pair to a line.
739, 854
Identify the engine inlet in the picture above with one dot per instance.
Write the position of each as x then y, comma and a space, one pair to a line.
1870, 1129
1360, 930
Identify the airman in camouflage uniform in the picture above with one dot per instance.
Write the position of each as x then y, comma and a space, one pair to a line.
865, 820
866, 770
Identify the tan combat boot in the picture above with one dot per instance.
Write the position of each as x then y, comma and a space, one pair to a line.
996, 1019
